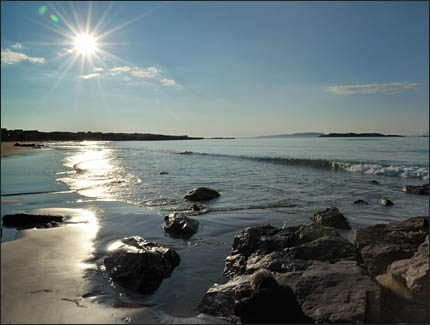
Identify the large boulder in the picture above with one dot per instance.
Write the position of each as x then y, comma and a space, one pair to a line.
178, 224
382, 244
407, 284
286, 249
139, 265
339, 293
201, 194
419, 189
25, 220
219, 299
331, 217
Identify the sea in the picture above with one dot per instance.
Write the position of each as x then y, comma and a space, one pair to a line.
131, 185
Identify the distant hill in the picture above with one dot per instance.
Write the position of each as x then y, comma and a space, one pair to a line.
352, 135
294, 135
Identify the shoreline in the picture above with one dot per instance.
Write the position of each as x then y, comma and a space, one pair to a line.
44, 275
8, 149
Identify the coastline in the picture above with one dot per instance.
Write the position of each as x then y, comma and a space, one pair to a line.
8, 149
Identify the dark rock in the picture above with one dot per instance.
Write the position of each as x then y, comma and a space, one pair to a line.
385, 202
339, 293
164, 173
24, 220
331, 217
286, 249
201, 194
360, 201
407, 287
420, 189
328, 293
140, 265
382, 244
180, 224
219, 299
374, 182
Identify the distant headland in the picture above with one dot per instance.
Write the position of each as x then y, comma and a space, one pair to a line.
34, 135
352, 135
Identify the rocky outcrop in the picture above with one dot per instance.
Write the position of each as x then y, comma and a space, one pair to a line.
201, 194
179, 224
331, 217
385, 202
24, 221
139, 265
380, 245
319, 265
407, 287
420, 189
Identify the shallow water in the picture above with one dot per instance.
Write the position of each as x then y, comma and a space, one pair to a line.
276, 181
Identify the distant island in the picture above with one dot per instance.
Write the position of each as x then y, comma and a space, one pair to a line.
293, 135
353, 135
34, 135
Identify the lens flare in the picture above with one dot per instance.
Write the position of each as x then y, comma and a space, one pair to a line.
54, 18
43, 10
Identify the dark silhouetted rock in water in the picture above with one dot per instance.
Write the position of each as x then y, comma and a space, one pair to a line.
382, 244
331, 217
201, 194
178, 223
360, 201
374, 182
420, 189
164, 173
24, 220
139, 265
301, 257
386, 202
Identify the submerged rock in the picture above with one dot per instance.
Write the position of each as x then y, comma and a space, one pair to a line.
201, 194
374, 182
385, 202
360, 201
420, 189
331, 217
382, 244
139, 265
25, 220
180, 224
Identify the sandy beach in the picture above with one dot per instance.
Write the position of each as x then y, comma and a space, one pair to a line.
8, 149
43, 275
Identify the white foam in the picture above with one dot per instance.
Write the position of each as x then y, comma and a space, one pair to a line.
376, 169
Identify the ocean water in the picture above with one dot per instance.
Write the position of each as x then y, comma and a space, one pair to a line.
281, 181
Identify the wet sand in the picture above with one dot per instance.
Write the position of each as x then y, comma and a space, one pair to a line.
43, 277
8, 149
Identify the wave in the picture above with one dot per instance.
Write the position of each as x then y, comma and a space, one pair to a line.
357, 167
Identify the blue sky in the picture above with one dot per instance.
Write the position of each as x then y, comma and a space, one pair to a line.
216, 68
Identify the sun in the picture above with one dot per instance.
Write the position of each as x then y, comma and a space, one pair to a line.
85, 44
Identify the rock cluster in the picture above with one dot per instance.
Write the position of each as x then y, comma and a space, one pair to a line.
25, 221
333, 280
321, 266
139, 265
398, 255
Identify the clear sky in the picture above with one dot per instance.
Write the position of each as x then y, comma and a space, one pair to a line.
215, 68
